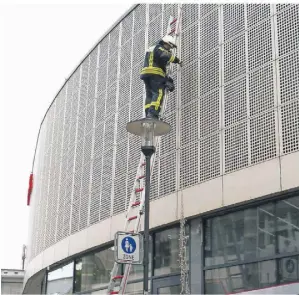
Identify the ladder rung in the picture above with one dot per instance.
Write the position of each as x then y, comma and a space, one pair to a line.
132, 218
141, 176
138, 190
113, 292
174, 20
135, 204
117, 277
172, 31
143, 164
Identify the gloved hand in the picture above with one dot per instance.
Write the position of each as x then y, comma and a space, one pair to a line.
177, 61
169, 85
168, 78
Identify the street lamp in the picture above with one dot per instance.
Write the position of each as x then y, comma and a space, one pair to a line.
147, 129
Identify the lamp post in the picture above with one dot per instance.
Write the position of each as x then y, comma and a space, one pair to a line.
147, 129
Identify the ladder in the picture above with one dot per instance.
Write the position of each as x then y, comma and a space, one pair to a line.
136, 203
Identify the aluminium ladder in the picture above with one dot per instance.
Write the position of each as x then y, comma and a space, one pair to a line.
116, 280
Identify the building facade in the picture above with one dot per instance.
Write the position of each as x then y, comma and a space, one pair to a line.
12, 281
230, 163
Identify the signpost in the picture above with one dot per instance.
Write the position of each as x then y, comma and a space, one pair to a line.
128, 248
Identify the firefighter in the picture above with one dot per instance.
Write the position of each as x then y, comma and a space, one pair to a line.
154, 76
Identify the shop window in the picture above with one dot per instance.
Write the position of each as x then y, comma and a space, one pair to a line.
240, 236
289, 269
166, 259
136, 288
240, 278
60, 280
287, 213
136, 271
93, 270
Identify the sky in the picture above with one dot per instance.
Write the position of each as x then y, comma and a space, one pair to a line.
41, 43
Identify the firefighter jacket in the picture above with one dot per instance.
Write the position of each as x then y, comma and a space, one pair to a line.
155, 61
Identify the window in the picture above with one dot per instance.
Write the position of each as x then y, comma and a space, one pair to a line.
240, 277
289, 269
167, 251
93, 271
136, 271
235, 243
61, 280
288, 225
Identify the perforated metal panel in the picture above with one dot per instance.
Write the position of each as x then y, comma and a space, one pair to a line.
167, 182
209, 114
102, 79
121, 158
234, 58
290, 127
138, 47
190, 36
190, 15
257, 13
139, 18
261, 90
137, 83
111, 100
209, 32
168, 141
189, 123
233, 20
263, 137
289, 77
97, 173
124, 90
127, 29
120, 194
209, 72
105, 206
94, 209
189, 87
126, 55
84, 200
209, 153
207, 9
235, 107
100, 109
155, 31
107, 166
189, 165
236, 147
134, 153
259, 45
87, 147
89, 122
288, 30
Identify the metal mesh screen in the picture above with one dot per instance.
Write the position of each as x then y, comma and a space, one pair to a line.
238, 88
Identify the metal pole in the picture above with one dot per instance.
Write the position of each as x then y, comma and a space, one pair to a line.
146, 221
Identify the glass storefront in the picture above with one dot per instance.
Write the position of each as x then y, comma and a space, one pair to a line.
61, 280
167, 251
242, 249
93, 271
254, 248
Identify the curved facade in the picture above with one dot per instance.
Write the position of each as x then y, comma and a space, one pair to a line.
234, 145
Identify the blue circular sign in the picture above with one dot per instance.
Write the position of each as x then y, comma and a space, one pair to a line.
128, 245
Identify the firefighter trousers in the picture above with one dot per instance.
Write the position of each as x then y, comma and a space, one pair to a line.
155, 90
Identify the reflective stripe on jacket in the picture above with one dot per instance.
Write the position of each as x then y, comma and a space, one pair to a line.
156, 59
